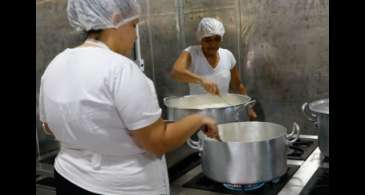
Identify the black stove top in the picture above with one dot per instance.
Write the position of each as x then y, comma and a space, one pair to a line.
326, 159
184, 166
201, 182
301, 149
318, 184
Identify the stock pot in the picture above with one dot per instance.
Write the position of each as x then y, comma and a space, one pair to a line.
224, 108
248, 153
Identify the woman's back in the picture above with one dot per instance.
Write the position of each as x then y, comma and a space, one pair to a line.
82, 102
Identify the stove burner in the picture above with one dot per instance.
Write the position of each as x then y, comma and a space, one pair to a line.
301, 149
244, 187
302, 142
276, 180
295, 151
201, 182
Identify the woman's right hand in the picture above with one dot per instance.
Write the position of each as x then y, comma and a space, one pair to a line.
210, 86
210, 128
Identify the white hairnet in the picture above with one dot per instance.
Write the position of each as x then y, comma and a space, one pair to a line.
209, 27
101, 14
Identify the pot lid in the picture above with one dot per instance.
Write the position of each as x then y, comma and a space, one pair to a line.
320, 106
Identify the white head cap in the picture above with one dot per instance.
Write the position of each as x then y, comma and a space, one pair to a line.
101, 14
209, 27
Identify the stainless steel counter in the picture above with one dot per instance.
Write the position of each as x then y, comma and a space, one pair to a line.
293, 187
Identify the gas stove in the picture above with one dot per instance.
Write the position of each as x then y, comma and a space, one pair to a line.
265, 188
307, 171
302, 148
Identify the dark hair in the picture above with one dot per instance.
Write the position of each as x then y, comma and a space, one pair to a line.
95, 34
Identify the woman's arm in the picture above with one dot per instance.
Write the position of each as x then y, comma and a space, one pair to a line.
238, 87
161, 137
235, 82
180, 72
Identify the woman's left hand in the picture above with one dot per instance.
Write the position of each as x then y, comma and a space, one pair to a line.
252, 114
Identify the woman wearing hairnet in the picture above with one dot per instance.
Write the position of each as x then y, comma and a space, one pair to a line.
207, 67
104, 111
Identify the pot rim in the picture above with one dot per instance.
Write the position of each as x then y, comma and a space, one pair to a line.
206, 138
317, 106
166, 99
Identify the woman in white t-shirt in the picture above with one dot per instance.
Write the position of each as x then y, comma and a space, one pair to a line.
207, 67
104, 111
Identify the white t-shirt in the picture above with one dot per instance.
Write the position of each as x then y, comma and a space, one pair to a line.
221, 74
91, 98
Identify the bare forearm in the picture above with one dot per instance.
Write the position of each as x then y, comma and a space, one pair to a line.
186, 76
177, 133
161, 137
242, 89
236, 84
239, 88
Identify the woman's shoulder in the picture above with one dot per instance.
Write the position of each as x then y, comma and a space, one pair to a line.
106, 57
193, 49
225, 51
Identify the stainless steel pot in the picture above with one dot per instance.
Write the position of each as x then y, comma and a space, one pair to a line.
318, 113
225, 108
250, 152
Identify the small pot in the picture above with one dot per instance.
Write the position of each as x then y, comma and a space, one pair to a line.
318, 113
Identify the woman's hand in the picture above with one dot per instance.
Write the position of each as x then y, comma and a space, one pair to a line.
252, 114
160, 138
210, 128
210, 86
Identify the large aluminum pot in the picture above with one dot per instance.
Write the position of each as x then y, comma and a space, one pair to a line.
318, 113
225, 108
248, 153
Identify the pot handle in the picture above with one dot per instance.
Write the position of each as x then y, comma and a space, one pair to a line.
309, 115
294, 134
316, 124
166, 98
194, 144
